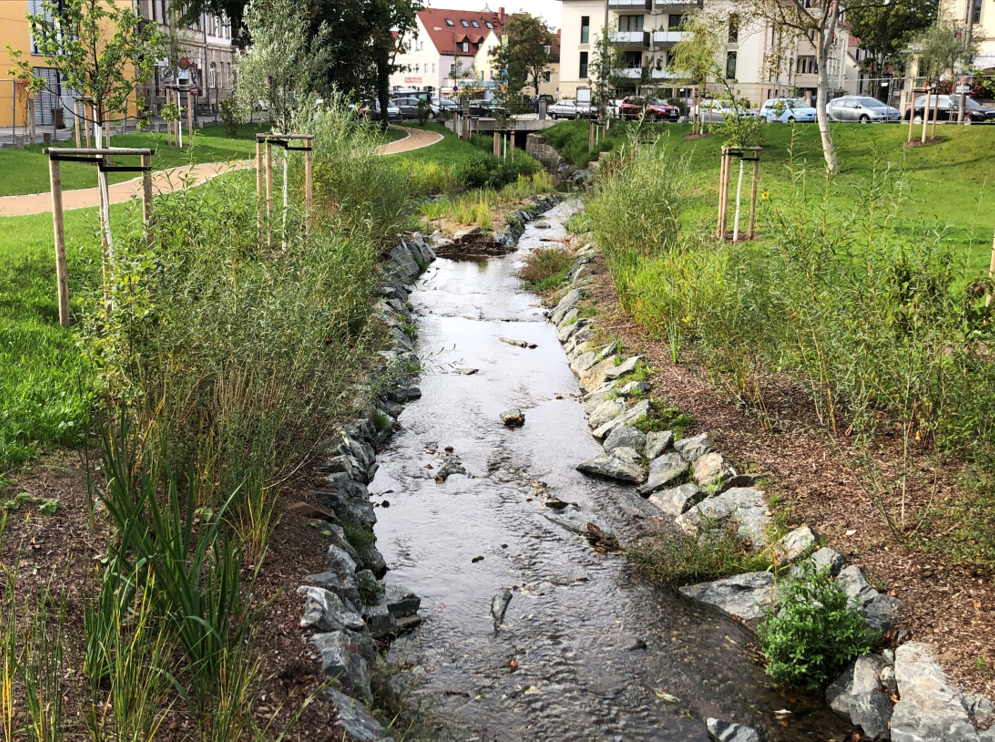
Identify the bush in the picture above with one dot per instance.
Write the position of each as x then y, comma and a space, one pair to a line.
673, 557
231, 115
546, 269
813, 632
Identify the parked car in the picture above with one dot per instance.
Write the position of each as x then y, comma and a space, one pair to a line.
372, 108
443, 106
656, 109
563, 109
861, 108
535, 102
788, 111
717, 111
948, 109
408, 107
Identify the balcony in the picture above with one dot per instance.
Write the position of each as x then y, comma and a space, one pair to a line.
656, 74
661, 5
623, 5
631, 73
632, 39
668, 37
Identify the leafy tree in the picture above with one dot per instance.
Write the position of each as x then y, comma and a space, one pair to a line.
100, 50
697, 55
607, 63
233, 10
522, 55
886, 30
941, 48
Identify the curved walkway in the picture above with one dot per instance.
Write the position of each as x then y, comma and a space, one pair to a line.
166, 181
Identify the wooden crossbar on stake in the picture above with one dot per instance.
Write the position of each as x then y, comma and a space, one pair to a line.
285, 141
100, 158
745, 154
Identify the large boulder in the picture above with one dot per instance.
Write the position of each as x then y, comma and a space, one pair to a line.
694, 448
346, 656
356, 719
742, 507
657, 443
621, 369
597, 374
605, 412
859, 696
583, 362
621, 464
678, 500
712, 468
879, 609
929, 708
630, 417
567, 331
568, 302
724, 731
625, 436
326, 611
666, 470
745, 595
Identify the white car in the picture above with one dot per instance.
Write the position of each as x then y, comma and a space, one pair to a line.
566, 108
717, 111
788, 111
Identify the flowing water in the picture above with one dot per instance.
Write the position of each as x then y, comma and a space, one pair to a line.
597, 654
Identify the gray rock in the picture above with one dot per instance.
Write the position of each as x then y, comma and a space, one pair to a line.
356, 719
512, 418
630, 417
611, 349
339, 540
694, 448
566, 332
499, 606
379, 621
887, 677
569, 521
880, 612
621, 464
878, 608
401, 340
712, 468
828, 558
840, 693
678, 500
402, 265
605, 412
635, 387
657, 443
596, 375
625, 367
569, 317
339, 560
343, 585
345, 657
350, 509
343, 464
326, 611
666, 470
401, 602
796, 543
743, 507
583, 362
404, 394
745, 595
578, 339
929, 709
373, 560
345, 444
517, 343
452, 465
626, 437
979, 708
568, 302
856, 695
724, 731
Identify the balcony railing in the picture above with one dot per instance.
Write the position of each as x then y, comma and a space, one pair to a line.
656, 74
668, 37
630, 4
631, 73
683, 4
632, 38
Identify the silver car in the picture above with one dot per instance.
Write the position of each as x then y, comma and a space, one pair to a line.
862, 109
408, 107
566, 108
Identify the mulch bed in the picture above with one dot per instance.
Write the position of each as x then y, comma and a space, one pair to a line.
58, 552
946, 605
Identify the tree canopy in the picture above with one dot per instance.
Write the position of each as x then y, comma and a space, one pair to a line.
524, 53
885, 30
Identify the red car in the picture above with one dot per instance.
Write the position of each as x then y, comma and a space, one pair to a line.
656, 109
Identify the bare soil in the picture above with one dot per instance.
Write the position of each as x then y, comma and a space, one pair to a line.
944, 603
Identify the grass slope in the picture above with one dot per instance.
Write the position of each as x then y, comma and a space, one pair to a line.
26, 171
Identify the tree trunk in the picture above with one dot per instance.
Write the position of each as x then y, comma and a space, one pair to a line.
383, 89
828, 148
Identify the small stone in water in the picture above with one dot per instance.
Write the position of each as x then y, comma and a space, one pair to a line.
477, 559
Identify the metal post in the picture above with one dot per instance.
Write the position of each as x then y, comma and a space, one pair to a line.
61, 272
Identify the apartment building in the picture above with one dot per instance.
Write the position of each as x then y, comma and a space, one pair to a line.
982, 14
207, 47
549, 83
758, 62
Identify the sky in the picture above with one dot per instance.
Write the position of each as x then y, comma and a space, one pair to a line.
550, 10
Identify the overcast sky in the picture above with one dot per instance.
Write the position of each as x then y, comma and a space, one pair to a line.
548, 9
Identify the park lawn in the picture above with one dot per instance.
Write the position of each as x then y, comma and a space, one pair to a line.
393, 134
26, 171
46, 386
448, 151
951, 182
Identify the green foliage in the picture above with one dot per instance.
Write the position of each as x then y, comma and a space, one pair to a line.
521, 57
545, 270
46, 505
231, 114
661, 417
812, 632
358, 535
370, 590
942, 48
424, 111
885, 30
673, 557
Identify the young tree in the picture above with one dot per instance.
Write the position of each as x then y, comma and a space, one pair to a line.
816, 21
697, 55
885, 31
607, 64
941, 48
523, 54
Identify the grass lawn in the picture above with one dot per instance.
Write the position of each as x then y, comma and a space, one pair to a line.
451, 147
950, 182
26, 171
394, 134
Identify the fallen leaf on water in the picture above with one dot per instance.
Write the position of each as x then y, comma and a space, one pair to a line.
667, 697
532, 691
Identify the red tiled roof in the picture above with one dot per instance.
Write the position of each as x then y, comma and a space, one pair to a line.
554, 45
443, 39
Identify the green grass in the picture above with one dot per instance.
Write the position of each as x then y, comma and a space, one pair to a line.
26, 171
45, 388
393, 134
951, 182
451, 147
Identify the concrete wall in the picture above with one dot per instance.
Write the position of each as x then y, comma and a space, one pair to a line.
535, 146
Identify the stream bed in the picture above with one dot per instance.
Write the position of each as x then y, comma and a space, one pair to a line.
586, 652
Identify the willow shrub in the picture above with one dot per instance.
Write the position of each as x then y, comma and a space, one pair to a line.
868, 308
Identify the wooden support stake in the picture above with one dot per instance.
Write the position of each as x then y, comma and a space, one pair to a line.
936, 107
86, 122
147, 195
912, 114
259, 191
61, 272
723, 193
991, 273
76, 123
308, 188
753, 197
497, 143
925, 116
590, 135
511, 144
269, 194
739, 192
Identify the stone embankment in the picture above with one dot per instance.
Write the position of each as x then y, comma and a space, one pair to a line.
900, 695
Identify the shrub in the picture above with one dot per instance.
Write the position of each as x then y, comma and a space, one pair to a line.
673, 557
231, 115
545, 269
811, 634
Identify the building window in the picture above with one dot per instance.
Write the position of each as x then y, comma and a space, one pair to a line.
806, 65
475, 24
547, 76
585, 31
731, 66
489, 25
976, 11
210, 77
733, 29
449, 22
583, 65
630, 23
465, 24
466, 46
674, 22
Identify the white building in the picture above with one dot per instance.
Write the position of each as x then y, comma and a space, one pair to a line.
759, 65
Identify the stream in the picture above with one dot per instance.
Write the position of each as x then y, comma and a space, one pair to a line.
587, 651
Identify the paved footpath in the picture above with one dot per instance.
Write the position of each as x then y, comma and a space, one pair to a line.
165, 181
